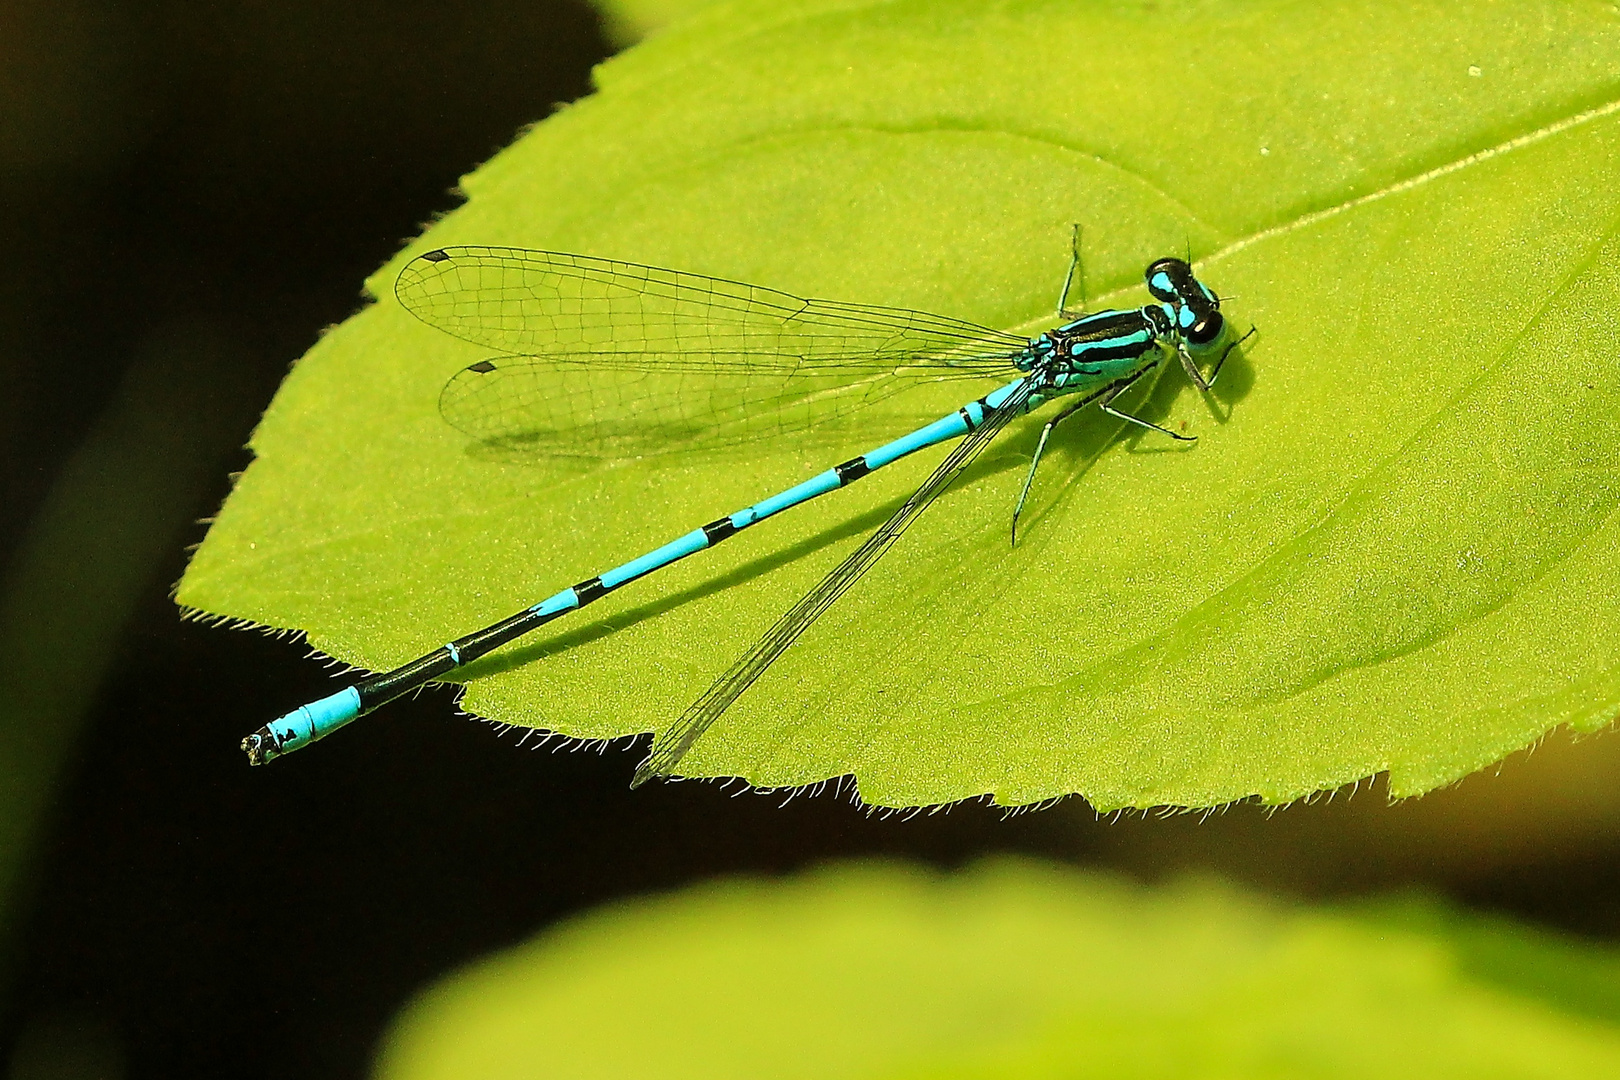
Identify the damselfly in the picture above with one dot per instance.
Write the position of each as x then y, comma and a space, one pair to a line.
610, 357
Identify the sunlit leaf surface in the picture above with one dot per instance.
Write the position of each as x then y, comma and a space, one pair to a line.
1020, 971
1390, 549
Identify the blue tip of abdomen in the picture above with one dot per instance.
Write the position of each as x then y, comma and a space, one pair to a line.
302, 726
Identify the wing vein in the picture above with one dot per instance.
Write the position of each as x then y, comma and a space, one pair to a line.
673, 743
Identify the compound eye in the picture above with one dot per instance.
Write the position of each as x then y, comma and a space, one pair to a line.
1206, 328
1165, 278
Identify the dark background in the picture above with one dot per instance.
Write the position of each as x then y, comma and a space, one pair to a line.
188, 195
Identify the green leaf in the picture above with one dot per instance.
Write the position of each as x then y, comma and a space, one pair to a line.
628, 21
1387, 552
1010, 970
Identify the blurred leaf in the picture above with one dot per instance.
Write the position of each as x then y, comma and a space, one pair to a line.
628, 21
1010, 970
1567, 975
1388, 550
112, 515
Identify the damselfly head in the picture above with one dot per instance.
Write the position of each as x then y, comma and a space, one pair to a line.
1197, 309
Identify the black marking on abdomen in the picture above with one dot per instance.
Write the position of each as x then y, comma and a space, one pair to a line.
590, 590
852, 470
967, 417
717, 531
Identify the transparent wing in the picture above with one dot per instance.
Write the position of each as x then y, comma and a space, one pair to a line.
519, 301
624, 357
672, 743
576, 406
